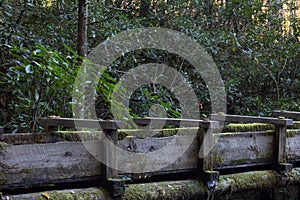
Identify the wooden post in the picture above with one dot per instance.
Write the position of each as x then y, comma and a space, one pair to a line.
110, 154
209, 176
114, 184
279, 149
279, 145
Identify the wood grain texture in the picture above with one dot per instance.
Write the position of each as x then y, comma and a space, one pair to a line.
32, 164
150, 146
246, 148
27, 165
293, 146
285, 113
251, 119
113, 124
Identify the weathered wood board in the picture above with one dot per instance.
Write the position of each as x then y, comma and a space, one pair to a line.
246, 148
293, 146
286, 113
54, 161
157, 148
28, 165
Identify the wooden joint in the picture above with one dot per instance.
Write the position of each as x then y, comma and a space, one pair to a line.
211, 178
287, 114
211, 175
284, 167
116, 187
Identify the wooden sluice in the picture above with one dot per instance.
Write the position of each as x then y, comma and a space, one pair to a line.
258, 154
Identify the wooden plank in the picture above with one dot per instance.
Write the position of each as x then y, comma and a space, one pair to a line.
62, 162
242, 149
285, 113
111, 124
293, 146
187, 161
177, 122
81, 123
250, 119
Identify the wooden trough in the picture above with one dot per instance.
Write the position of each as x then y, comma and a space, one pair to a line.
55, 158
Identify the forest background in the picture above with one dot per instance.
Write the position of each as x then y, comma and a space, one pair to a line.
254, 43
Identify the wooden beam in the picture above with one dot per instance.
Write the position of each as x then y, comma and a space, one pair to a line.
114, 124
287, 114
250, 119
82, 123
177, 122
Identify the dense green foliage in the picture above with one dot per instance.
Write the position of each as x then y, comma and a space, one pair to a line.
257, 57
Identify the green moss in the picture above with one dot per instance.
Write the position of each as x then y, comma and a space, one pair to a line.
169, 190
248, 181
156, 132
2, 146
248, 127
91, 193
216, 159
291, 133
296, 125
77, 135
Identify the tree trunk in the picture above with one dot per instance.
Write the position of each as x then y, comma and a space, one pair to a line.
82, 28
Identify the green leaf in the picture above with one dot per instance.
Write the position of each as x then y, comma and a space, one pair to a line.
36, 95
28, 69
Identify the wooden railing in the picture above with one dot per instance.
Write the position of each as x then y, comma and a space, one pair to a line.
28, 160
110, 128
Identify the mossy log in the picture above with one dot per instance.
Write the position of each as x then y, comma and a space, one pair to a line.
228, 186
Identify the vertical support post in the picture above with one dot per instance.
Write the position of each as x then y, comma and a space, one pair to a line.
1, 130
279, 148
45, 126
205, 140
114, 184
205, 165
280, 141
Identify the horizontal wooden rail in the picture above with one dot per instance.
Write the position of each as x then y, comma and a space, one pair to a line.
81, 123
114, 125
285, 113
250, 119
178, 122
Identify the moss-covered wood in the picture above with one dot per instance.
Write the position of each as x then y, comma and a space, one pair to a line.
58, 161
227, 187
71, 194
